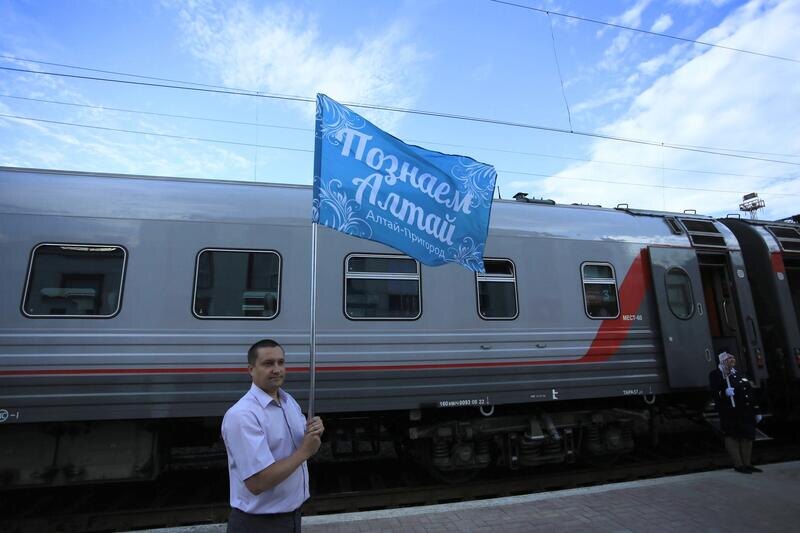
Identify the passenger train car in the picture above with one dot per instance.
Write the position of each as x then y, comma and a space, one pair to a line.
772, 255
128, 304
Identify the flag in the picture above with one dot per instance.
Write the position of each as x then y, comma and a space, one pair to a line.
431, 206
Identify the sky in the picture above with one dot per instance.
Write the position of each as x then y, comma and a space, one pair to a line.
558, 91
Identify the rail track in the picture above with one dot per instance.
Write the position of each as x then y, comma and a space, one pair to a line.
200, 497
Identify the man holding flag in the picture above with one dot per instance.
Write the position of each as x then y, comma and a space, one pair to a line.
432, 206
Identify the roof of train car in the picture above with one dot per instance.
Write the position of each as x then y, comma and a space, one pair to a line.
89, 194
756, 222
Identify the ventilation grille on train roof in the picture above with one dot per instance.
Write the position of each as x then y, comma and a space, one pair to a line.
703, 233
788, 238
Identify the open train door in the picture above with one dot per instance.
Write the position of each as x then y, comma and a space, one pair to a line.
681, 309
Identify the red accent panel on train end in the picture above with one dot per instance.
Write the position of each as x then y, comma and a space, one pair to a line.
776, 258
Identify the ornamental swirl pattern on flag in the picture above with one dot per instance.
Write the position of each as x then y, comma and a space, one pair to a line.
432, 206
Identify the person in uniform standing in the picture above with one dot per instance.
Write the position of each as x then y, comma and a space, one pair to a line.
268, 442
738, 411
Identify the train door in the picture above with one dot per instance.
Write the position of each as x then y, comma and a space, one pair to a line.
792, 266
723, 319
684, 327
730, 310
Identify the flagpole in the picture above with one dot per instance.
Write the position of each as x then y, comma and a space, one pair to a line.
312, 345
312, 356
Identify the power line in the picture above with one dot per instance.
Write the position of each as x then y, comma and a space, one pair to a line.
648, 32
182, 137
128, 74
628, 183
417, 141
468, 118
153, 113
219, 141
558, 69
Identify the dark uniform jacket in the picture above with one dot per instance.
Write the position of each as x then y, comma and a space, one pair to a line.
739, 421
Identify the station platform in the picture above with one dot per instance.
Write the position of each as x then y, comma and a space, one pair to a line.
722, 501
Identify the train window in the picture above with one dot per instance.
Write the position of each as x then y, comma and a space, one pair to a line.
238, 284
600, 290
497, 290
679, 293
381, 287
74, 280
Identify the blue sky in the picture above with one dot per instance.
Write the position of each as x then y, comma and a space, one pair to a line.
472, 57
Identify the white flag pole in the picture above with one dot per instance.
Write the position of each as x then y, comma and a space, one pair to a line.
312, 355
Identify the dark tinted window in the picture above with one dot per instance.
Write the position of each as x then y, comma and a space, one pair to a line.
386, 265
382, 287
699, 225
75, 280
679, 293
597, 272
784, 233
600, 290
237, 284
497, 289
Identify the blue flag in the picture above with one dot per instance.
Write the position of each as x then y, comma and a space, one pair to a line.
433, 207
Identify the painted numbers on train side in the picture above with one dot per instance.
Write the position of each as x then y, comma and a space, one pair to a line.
467, 402
5, 415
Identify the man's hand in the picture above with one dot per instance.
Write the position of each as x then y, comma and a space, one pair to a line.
280, 470
315, 426
311, 440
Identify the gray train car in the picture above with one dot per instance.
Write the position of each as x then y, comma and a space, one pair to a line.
128, 304
772, 255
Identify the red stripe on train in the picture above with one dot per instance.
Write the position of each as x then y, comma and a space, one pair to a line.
777, 262
631, 295
325, 368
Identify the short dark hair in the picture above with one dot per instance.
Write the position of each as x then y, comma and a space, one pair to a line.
252, 353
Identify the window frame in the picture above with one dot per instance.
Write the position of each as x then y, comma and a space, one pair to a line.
381, 275
94, 317
237, 250
691, 293
494, 278
600, 281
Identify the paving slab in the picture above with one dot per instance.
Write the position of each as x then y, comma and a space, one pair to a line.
722, 501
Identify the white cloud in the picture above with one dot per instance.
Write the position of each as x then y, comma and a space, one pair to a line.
613, 55
670, 59
693, 3
718, 98
278, 49
613, 95
662, 23
631, 17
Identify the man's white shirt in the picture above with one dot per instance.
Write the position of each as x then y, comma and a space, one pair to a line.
258, 431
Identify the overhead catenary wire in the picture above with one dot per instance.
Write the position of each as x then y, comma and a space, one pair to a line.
220, 141
417, 141
631, 183
420, 112
558, 69
168, 135
156, 114
648, 32
300, 98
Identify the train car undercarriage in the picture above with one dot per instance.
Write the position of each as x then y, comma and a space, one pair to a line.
453, 445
